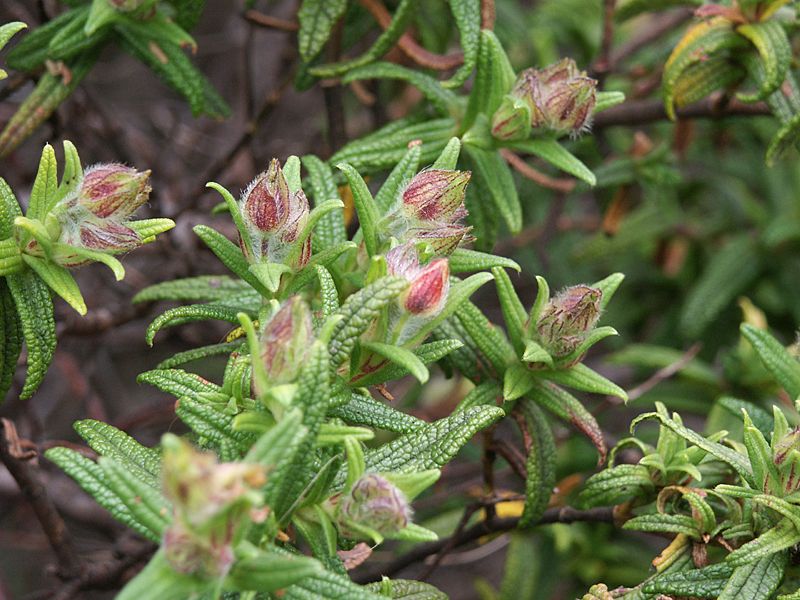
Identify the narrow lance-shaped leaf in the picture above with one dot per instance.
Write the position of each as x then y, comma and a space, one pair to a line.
540, 464
783, 366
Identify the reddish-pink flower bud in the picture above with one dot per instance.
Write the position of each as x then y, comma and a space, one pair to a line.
436, 194
275, 217
113, 190
286, 341
568, 318
266, 199
430, 283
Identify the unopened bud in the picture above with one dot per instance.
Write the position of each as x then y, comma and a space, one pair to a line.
375, 503
512, 121
203, 490
193, 554
430, 283
286, 341
568, 318
786, 457
436, 194
275, 217
559, 97
113, 190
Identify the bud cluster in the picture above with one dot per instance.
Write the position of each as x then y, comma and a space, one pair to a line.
373, 503
568, 318
96, 215
275, 217
559, 98
432, 210
209, 500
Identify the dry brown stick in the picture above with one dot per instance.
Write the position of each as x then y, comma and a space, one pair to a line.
564, 514
258, 18
409, 46
659, 27
664, 373
520, 166
34, 492
602, 65
641, 112
488, 14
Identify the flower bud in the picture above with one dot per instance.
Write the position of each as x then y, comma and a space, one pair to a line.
113, 190
559, 97
202, 490
568, 318
786, 457
375, 503
275, 217
445, 238
286, 341
192, 554
435, 194
426, 295
512, 121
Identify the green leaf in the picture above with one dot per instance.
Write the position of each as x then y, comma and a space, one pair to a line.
190, 314
568, 408
205, 288
443, 100
365, 207
467, 15
517, 381
432, 446
330, 229
775, 52
358, 312
389, 194
93, 479
214, 427
365, 410
328, 585
550, 150
59, 280
707, 582
704, 39
731, 269
230, 255
384, 43
48, 94
513, 312
101, 13
765, 474
146, 504
757, 580
159, 580
317, 18
581, 377
405, 589
616, 485
664, 523
493, 79
31, 52
739, 463
448, 159
784, 535
605, 100
35, 309
267, 571
10, 339
44, 186
487, 337
782, 365
401, 357
535, 353
462, 260
179, 383
540, 465
491, 167
386, 147
7, 31
269, 274
143, 462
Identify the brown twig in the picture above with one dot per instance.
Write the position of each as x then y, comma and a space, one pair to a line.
641, 112
488, 14
664, 373
602, 65
520, 166
36, 495
553, 515
258, 18
409, 46
648, 34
